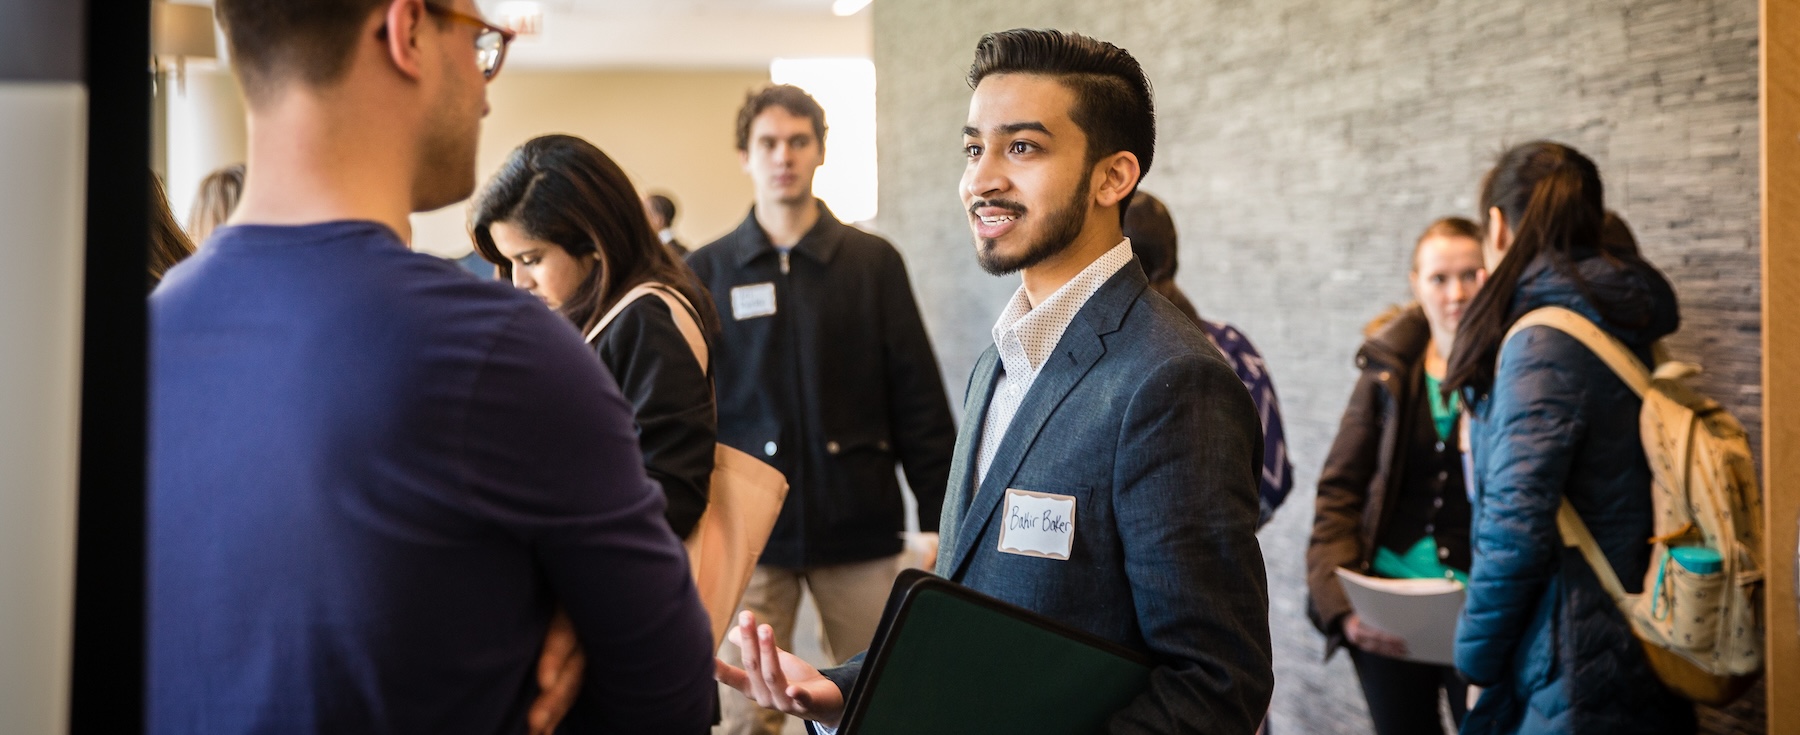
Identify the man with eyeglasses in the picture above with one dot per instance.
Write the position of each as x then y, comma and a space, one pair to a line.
374, 478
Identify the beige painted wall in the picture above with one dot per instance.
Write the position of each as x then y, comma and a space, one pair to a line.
669, 130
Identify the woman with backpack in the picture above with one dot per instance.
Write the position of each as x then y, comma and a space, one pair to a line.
562, 221
1391, 500
1548, 420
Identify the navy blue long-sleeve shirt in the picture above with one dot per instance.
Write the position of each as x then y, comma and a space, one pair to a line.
372, 479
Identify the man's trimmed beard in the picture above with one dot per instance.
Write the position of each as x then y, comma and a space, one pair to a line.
1061, 227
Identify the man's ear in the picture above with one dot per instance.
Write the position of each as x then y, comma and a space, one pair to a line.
399, 30
1115, 177
744, 160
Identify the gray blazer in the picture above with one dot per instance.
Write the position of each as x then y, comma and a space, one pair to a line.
1139, 418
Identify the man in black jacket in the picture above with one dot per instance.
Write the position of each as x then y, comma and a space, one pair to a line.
824, 370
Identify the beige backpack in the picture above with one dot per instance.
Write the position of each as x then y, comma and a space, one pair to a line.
1702, 630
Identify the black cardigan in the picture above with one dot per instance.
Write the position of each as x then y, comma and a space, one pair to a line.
672, 401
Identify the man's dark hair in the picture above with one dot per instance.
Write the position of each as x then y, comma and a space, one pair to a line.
664, 207
308, 40
1113, 107
787, 96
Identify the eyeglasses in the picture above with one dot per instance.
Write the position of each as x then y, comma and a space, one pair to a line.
490, 42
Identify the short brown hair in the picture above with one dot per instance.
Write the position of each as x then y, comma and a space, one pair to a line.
788, 97
308, 40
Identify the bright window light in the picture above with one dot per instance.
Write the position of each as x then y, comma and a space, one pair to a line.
846, 89
849, 7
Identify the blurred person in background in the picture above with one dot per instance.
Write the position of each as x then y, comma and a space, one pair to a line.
168, 244
1548, 420
1392, 500
1151, 229
562, 221
825, 372
214, 200
661, 211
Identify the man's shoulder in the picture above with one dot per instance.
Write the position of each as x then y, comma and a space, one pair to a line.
1156, 322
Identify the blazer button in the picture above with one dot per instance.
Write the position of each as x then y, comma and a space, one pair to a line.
769, 449
1440, 446
832, 447
1443, 553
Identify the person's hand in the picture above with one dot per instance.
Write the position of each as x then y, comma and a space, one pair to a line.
776, 679
558, 676
1372, 639
921, 550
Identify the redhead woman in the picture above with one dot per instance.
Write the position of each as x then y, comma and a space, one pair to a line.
1391, 499
563, 221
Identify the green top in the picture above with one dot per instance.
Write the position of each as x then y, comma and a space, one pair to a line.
1443, 410
1419, 562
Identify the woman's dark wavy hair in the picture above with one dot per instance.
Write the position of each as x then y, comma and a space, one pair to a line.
1553, 200
1113, 105
563, 190
1151, 229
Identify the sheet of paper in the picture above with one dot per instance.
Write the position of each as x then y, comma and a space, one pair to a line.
1421, 611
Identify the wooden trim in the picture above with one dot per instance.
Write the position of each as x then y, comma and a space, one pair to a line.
1780, 81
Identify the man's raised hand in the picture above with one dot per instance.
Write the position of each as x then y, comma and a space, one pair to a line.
776, 679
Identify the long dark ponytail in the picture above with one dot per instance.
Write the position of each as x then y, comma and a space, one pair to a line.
564, 190
1553, 200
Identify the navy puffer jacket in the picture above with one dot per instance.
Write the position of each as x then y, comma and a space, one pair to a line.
1538, 631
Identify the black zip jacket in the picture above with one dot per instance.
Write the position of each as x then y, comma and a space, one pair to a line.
833, 388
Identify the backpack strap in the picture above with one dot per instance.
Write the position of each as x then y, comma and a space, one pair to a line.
678, 308
1576, 534
1630, 370
1609, 349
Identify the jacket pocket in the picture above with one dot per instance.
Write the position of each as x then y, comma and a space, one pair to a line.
863, 489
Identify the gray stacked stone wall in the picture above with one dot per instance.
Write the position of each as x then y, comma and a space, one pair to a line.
1304, 143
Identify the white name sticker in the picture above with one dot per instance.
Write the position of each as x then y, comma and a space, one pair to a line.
752, 301
1038, 524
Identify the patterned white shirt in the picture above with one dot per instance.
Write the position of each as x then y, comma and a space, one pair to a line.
1026, 336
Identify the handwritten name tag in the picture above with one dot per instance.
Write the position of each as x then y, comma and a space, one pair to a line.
754, 300
1038, 524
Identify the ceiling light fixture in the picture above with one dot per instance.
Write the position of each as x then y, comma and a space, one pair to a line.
848, 7
523, 17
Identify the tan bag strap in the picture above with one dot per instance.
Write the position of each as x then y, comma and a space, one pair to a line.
1630, 370
1575, 534
678, 306
1604, 346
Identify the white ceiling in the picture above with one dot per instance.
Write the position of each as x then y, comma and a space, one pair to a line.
687, 33
682, 34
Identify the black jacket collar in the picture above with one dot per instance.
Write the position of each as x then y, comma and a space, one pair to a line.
819, 243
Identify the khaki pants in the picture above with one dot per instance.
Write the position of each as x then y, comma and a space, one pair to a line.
850, 598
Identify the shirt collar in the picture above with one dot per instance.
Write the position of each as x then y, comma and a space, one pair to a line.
1026, 335
819, 243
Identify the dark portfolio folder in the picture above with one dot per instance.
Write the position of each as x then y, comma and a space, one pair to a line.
949, 659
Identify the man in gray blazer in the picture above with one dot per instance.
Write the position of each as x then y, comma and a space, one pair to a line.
1106, 471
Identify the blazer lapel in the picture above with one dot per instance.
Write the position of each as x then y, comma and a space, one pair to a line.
1080, 347
968, 442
